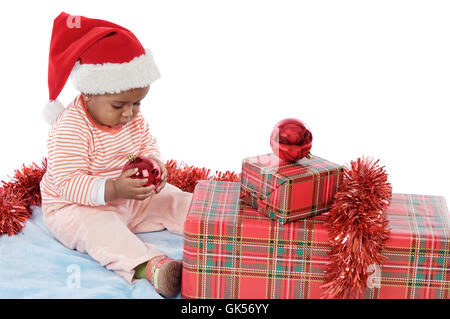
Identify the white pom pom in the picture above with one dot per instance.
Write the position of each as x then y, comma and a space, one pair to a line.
52, 110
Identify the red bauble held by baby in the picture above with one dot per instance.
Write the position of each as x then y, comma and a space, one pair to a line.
291, 140
147, 168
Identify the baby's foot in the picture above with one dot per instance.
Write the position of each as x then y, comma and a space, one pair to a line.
164, 274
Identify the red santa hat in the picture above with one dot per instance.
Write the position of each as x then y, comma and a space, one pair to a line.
99, 56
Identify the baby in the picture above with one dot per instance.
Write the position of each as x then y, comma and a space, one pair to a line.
88, 204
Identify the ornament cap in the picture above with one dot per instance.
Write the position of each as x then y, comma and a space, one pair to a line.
131, 158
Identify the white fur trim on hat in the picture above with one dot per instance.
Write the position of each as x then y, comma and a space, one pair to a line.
52, 110
115, 77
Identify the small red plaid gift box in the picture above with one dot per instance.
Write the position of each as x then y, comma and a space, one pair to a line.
289, 191
230, 250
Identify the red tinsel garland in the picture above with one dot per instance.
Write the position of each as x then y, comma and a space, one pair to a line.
186, 177
357, 229
18, 195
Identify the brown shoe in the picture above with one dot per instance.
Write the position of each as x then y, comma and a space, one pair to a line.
164, 274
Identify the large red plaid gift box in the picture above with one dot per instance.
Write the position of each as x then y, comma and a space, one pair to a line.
233, 251
289, 191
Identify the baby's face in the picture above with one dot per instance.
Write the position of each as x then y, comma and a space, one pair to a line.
115, 110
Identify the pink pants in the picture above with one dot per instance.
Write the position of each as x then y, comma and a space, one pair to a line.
107, 232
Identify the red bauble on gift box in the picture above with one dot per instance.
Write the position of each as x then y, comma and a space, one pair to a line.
291, 140
147, 168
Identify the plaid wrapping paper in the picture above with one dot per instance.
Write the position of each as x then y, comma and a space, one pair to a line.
232, 251
289, 191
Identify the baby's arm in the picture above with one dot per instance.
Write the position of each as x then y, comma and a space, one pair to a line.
68, 163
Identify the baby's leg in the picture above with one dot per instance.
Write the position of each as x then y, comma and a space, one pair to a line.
102, 233
166, 210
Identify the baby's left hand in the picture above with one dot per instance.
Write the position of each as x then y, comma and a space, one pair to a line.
163, 169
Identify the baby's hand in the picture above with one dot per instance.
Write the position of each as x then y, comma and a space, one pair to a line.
163, 169
129, 188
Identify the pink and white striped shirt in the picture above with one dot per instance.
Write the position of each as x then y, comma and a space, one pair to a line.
83, 154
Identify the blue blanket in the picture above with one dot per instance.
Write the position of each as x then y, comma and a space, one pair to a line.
33, 264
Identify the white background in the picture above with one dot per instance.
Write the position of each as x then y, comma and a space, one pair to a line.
370, 78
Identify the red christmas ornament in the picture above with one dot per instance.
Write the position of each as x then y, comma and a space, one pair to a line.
147, 168
291, 140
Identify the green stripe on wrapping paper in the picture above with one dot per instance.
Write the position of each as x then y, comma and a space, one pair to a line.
414, 283
419, 277
272, 215
414, 200
276, 274
268, 178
